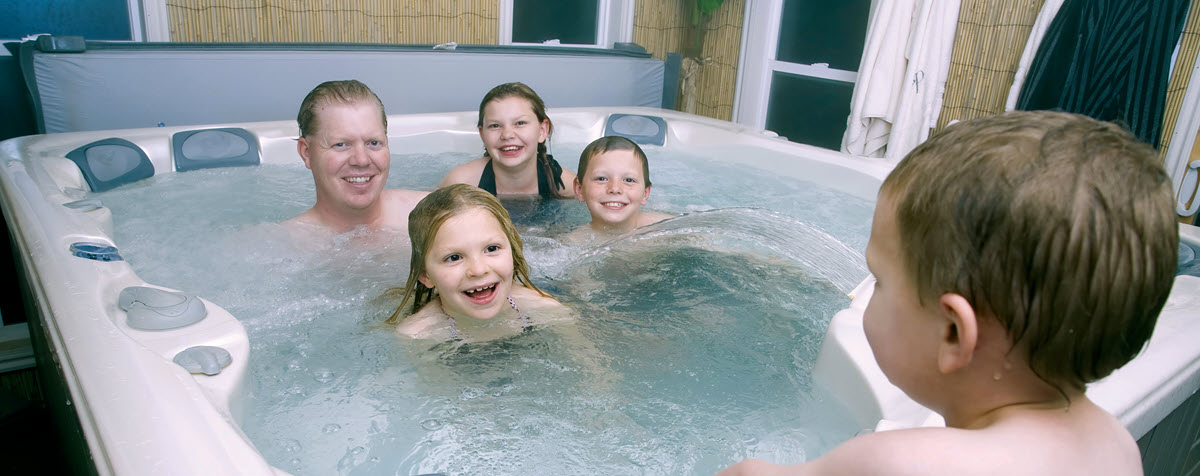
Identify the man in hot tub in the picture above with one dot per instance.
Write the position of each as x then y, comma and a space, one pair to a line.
343, 141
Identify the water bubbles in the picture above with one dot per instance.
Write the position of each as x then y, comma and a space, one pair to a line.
323, 375
288, 445
526, 398
351, 459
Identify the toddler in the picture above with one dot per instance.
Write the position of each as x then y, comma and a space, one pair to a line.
1016, 258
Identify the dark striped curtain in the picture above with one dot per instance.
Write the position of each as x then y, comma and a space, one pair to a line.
1108, 59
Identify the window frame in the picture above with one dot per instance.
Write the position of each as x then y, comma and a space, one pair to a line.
614, 24
149, 20
760, 45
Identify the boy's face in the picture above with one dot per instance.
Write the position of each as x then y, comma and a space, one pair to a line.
904, 335
613, 189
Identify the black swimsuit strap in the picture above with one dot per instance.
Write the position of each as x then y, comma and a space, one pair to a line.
487, 179
545, 170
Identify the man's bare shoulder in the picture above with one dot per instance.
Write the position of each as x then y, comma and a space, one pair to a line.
410, 197
308, 227
468, 173
309, 217
397, 205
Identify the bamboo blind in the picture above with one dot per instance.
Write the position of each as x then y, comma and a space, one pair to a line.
1181, 74
661, 26
340, 21
988, 44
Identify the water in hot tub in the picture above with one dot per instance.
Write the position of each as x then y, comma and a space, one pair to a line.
693, 349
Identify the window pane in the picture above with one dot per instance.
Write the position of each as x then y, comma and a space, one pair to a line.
572, 22
821, 31
809, 110
91, 19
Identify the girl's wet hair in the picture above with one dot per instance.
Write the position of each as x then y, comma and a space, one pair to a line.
610, 143
349, 91
423, 224
518, 89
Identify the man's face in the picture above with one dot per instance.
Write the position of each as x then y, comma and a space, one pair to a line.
348, 156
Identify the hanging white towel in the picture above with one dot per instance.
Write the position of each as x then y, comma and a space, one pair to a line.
902, 77
880, 72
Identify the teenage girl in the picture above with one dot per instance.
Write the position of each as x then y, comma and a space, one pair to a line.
515, 129
468, 278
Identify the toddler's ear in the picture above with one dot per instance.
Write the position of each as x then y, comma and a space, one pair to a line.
578, 189
646, 196
960, 333
423, 279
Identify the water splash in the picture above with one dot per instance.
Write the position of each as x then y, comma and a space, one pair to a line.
751, 230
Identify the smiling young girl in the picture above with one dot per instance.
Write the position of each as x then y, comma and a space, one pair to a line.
515, 129
468, 278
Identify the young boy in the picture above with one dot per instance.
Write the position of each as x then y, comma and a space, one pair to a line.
1017, 258
614, 183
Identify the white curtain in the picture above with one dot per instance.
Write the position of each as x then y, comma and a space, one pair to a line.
902, 76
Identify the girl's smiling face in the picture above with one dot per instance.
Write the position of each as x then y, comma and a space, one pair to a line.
471, 265
511, 131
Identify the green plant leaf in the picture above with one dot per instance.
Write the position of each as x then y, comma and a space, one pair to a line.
708, 6
701, 8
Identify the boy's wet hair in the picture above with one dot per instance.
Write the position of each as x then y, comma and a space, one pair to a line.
423, 224
349, 91
610, 143
1059, 226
